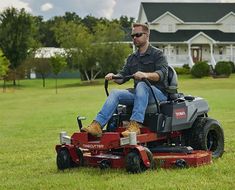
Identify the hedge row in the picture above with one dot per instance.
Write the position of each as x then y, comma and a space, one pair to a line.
202, 69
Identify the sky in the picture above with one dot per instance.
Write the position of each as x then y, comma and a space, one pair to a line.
109, 9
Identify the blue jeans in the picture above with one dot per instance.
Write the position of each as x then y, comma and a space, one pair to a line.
140, 98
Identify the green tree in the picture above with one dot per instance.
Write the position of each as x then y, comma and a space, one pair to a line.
4, 66
46, 35
72, 17
126, 22
90, 22
79, 45
41, 66
110, 51
17, 32
58, 63
4, 63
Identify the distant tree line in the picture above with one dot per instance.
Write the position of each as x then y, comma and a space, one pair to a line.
94, 46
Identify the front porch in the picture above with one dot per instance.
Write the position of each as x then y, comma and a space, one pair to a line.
180, 60
181, 54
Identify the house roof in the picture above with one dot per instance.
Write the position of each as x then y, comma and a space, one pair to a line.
185, 35
189, 12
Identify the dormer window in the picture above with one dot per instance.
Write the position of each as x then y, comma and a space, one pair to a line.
170, 27
167, 28
232, 28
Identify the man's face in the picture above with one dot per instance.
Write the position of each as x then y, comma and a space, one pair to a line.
139, 37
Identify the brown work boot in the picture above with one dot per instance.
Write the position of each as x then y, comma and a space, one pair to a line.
133, 126
94, 129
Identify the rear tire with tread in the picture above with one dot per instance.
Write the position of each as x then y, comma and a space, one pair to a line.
206, 134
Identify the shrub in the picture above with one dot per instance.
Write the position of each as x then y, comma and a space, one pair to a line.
200, 69
223, 68
186, 66
232, 66
182, 70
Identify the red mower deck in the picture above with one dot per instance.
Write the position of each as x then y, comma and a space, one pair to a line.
113, 151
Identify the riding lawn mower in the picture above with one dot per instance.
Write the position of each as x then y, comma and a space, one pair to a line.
177, 133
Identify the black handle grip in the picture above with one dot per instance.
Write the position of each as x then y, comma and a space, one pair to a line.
106, 82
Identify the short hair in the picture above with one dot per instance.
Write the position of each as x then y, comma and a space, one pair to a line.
144, 26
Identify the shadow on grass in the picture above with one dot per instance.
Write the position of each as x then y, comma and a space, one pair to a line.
90, 171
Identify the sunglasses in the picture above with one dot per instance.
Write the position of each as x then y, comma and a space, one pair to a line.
137, 35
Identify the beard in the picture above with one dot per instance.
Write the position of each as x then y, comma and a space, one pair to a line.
139, 44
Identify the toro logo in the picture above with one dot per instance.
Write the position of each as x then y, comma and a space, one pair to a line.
180, 113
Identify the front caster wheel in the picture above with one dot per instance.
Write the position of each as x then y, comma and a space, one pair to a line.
63, 159
133, 163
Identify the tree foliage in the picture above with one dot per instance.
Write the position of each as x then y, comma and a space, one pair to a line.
17, 32
110, 52
126, 22
93, 53
4, 65
58, 63
92, 44
41, 66
78, 42
46, 35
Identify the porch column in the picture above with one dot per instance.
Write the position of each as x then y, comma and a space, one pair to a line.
191, 63
213, 62
231, 53
169, 49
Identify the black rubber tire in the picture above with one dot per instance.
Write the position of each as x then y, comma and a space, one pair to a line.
181, 163
206, 134
63, 159
133, 163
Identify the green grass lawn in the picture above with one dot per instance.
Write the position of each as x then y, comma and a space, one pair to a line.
31, 118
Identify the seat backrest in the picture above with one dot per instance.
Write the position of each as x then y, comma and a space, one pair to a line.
172, 80
171, 89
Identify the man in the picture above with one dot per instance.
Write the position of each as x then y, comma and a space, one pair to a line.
147, 62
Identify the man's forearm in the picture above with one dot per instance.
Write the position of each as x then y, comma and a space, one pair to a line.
153, 76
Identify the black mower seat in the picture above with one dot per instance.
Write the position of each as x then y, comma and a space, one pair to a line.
171, 90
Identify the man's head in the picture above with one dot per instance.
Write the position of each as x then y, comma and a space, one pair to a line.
140, 34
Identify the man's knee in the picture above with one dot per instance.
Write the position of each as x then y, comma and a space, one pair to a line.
115, 93
142, 86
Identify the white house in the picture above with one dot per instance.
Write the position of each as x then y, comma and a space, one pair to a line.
191, 32
47, 52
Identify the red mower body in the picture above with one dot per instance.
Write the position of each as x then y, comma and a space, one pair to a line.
113, 151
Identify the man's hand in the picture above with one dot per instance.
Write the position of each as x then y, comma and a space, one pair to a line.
150, 76
140, 75
109, 76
